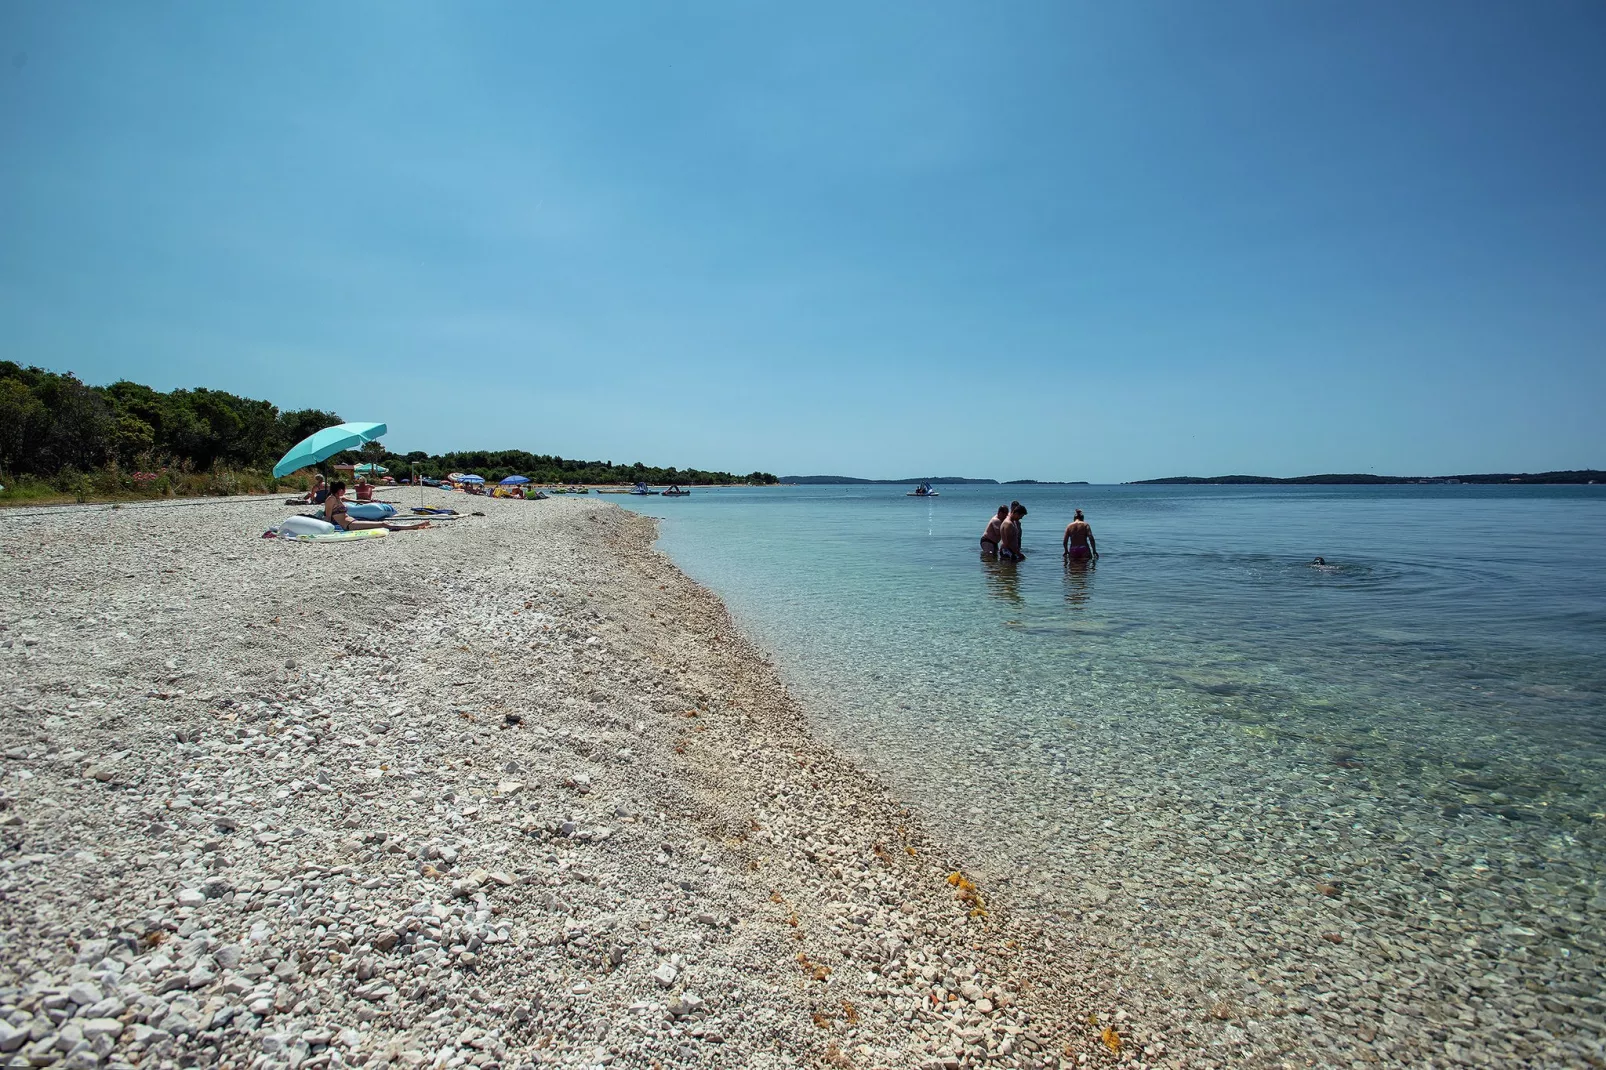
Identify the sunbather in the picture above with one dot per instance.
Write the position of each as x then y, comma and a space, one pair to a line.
334, 511
316, 495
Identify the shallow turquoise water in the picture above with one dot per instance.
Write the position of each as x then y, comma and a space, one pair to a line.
1441, 689
1448, 608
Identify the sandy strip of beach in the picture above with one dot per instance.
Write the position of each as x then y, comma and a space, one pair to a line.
511, 791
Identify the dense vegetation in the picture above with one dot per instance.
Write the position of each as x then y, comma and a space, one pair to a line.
59, 435
50, 423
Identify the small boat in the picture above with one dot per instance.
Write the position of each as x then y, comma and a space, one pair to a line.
641, 488
922, 491
676, 492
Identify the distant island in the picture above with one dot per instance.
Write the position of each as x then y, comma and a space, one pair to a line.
1045, 483
1586, 475
806, 480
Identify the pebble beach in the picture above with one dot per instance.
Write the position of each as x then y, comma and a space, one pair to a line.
508, 792
514, 791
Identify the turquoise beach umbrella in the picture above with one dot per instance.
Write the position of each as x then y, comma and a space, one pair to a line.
324, 444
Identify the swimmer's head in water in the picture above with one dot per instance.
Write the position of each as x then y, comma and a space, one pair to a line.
1320, 561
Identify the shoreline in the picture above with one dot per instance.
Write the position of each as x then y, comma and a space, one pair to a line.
479, 795
1255, 876
65, 500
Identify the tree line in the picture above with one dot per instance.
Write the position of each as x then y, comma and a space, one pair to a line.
51, 422
495, 465
52, 426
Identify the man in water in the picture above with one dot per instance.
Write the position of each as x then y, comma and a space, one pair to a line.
990, 537
1078, 542
1009, 533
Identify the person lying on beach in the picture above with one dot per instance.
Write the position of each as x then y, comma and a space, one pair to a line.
334, 511
990, 537
1078, 542
1009, 533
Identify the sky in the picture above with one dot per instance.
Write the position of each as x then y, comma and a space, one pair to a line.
1053, 241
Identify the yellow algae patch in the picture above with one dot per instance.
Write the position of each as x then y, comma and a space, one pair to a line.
818, 971
967, 892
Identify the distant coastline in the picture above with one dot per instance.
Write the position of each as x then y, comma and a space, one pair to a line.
1586, 475
945, 480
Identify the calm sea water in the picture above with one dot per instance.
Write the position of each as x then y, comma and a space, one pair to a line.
1446, 612
1445, 674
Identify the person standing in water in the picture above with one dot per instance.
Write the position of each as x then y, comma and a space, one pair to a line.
1009, 533
990, 537
1078, 542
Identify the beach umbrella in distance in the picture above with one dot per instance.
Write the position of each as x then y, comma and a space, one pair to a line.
321, 445
511, 481
471, 479
372, 469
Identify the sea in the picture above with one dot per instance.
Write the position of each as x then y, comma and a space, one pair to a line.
1213, 758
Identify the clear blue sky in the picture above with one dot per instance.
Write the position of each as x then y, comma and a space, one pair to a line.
1058, 241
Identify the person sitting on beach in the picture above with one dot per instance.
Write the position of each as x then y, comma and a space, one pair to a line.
334, 511
317, 494
365, 490
990, 537
1078, 542
1009, 533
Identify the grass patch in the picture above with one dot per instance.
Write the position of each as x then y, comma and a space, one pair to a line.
120, 485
